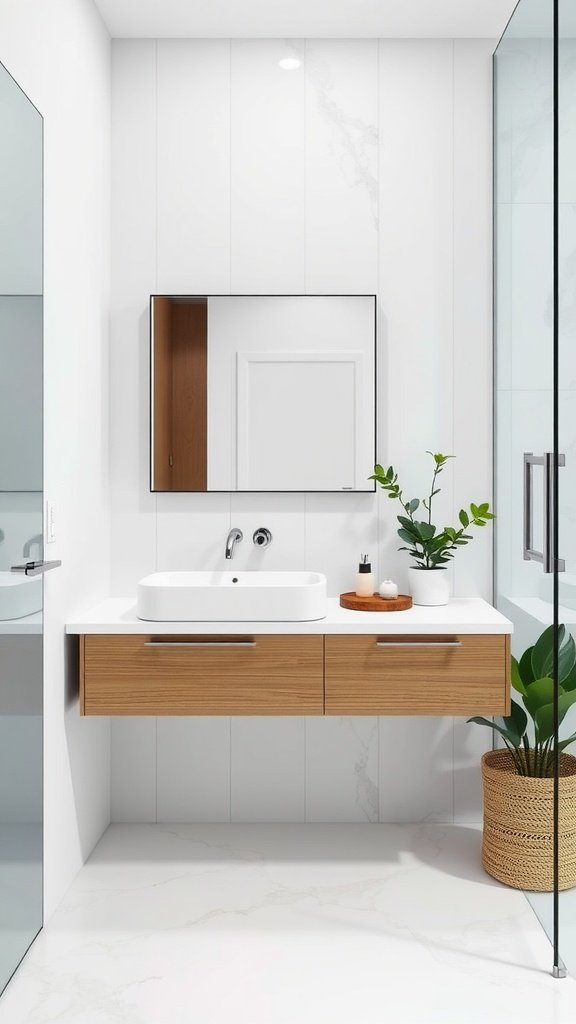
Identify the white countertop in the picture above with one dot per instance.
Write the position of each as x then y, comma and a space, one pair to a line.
463, 615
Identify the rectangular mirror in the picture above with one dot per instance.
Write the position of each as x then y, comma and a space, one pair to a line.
263, 392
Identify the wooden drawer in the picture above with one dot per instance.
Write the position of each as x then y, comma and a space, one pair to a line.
201, 675
417, 675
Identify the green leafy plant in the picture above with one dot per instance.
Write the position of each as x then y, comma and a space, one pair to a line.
532, 679
430, 548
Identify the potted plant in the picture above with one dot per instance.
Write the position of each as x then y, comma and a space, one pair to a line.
430, 547
518, 781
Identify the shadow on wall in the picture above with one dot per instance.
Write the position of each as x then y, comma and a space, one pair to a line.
81, 734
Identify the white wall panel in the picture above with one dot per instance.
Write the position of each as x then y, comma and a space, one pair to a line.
416, 271
342, 769
341, 165
267, 170
134, 277
193, 769
316, 204
416, 769
134, 769
267, 769
60, 56
472, 214
193, 160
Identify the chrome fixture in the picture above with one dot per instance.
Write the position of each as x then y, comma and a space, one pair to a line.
233, 538
36, 568
262, 537
27, 549
550, 463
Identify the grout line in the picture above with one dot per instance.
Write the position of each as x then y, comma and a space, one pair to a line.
156, 219
156, 771
305, 773
377, 498
230, 166
454, 471
230, 769
305, 233
305, 531
156, 161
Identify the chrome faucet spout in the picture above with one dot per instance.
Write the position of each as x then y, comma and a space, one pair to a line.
33, 542
234, 537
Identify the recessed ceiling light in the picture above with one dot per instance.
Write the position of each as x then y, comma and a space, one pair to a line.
290, 63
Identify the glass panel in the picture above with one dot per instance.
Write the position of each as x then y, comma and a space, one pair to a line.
20, 524
524, 352
567, 409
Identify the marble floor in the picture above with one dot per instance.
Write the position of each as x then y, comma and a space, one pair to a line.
289, 924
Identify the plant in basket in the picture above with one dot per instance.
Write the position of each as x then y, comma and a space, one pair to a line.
518, 781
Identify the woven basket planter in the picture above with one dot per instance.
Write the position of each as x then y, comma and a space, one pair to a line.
518, 824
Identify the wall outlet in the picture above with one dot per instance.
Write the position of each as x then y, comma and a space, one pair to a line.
50, 522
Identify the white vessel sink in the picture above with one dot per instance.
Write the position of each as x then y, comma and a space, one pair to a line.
232, 596
19, 595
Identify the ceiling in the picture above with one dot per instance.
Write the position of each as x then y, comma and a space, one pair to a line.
294, 19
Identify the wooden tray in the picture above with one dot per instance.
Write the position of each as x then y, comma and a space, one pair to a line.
375, 603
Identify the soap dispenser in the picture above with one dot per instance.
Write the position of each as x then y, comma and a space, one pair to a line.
364, 578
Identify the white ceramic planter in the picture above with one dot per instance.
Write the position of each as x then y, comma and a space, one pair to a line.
429, 586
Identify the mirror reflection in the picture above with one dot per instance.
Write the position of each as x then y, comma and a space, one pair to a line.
21, 620
262, 392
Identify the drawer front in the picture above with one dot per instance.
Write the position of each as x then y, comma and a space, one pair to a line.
201, 675
417, 675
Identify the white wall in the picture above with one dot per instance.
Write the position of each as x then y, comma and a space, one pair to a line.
60, 55
368, 170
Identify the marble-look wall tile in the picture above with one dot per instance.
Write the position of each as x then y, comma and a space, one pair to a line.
133, 769
133, 534
21, 744
267, 170
472, 309
416, 769
193, 769
193, 133
276, 181
268, 769
532, 295
339, 528
469, 743
567, 479
341, 165
342, 769
192, 531
567, 91
283, 515
505, 525
415, 273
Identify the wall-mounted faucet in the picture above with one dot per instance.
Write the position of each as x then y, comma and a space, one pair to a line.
233, 538
27, 549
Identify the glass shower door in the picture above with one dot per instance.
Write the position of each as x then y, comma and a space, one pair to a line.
527, 457
566, 420
21, 505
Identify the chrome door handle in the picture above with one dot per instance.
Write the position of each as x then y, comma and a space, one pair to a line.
550, 498
200, 643
418, 643
35, 568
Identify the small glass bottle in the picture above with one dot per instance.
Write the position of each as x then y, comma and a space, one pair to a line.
364, 578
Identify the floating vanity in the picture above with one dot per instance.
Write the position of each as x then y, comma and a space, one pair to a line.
451, 660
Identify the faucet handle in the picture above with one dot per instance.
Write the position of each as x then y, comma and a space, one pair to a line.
262, 537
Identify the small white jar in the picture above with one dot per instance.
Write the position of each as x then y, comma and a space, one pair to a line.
388, 590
